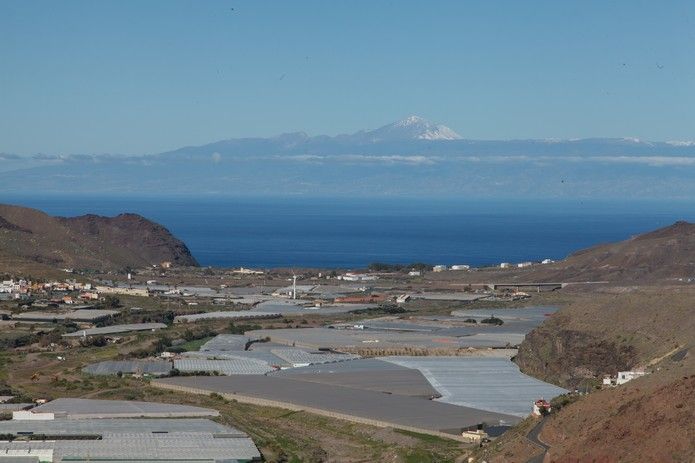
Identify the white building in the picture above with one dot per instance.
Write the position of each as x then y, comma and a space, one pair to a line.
608, 380
625, 376
505, 265
460, 267
547, 261
247, 271
524, 264
414, 273
439, 268
541, 407
357, 277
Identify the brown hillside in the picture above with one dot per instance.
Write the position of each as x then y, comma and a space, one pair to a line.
601, 333
664, 254
647, 419
93, 242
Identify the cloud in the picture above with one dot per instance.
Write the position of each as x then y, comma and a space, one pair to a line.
362, 159
47, 157
681, 143
655, 161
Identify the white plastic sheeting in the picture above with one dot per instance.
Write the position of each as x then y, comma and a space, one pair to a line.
492, 384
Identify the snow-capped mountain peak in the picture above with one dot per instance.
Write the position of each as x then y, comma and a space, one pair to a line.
412, 128
409, 121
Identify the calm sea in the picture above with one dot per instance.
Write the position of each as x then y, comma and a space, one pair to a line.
351, 233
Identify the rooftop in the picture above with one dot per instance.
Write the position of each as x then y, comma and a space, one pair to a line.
92, 408
117, 329
120, 439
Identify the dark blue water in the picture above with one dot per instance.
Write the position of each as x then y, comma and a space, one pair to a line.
353, 233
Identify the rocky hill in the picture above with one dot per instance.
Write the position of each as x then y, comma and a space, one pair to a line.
86, 242
647, 419
643, 319
618, 328
662, 254
615, 329
666, 254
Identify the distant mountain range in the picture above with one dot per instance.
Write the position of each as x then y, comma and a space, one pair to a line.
411, 157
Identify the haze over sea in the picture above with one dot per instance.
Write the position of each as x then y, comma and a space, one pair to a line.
351, 233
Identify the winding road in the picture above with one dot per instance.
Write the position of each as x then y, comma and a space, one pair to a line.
532, 436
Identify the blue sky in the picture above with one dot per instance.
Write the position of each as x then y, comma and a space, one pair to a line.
147, 76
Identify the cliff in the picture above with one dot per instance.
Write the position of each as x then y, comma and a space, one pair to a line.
86, 242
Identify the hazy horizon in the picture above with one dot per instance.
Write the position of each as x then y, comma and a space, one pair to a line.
515, 100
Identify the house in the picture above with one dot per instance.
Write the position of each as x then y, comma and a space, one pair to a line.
547, 261
439, 268
165, 264
460, 267
541, 407
143, 292
248, 271
414, 273
474, 436
524, 264
505, 265
357, 277
625, 376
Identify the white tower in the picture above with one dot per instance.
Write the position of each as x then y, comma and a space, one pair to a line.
294, 286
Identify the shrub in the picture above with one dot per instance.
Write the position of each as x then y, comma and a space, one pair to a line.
492, 320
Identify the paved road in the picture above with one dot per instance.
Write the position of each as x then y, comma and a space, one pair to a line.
532, 436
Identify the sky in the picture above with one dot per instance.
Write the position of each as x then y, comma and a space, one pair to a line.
134, 77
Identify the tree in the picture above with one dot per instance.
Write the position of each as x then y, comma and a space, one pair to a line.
112, 302
492, 320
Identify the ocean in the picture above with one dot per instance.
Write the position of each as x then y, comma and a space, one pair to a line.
352, 233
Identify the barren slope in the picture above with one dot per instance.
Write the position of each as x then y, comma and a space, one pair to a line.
648, 419
94, 242
601, 333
